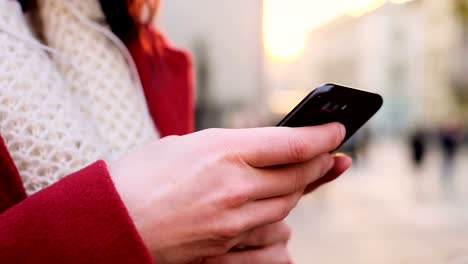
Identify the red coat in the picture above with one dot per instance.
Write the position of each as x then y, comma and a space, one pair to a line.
81, 219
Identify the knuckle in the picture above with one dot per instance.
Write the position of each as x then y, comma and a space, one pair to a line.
285, 231
260, 238
221, 248
298, 149
283, 256
288, 234
286, 205
230, 154
300, 177
224, 149
283, 210
230, 230
324, 161
286, 259
235, 197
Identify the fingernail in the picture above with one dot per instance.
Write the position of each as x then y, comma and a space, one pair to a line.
343, 157
342, 131
339, 155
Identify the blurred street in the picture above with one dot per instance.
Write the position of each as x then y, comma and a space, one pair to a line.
386, 213
261, 58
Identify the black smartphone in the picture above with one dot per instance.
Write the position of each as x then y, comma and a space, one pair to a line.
334, 103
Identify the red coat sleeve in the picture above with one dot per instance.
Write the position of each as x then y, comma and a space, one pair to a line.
80, 219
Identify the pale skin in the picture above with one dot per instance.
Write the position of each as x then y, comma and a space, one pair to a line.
198, 198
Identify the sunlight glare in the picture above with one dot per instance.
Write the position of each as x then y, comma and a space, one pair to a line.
286, 24
358, 8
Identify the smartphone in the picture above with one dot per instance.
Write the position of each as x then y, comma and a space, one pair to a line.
334, 103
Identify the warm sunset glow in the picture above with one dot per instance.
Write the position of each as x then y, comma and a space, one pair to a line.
358, 8
287, 23
281, 102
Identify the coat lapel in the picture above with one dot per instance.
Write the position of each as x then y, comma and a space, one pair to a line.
166, 75
11, 185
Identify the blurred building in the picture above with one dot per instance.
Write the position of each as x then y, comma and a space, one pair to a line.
403, 51
225, 39
414, 53
460, 67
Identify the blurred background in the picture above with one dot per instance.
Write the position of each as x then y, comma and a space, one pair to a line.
406, 198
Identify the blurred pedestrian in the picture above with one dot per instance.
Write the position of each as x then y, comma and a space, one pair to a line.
418, 145
450, 136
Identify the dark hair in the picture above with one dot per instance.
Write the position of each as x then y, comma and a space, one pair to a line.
123, 16
27, 4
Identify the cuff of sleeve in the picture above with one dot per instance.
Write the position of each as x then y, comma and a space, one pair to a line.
80, 219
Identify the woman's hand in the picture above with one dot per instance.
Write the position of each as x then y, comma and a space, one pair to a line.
268, 244
199, 195
264, 245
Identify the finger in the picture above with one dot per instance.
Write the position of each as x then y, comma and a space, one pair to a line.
259, 213
267, 235
277, 253
287, 179
263, 147
342, 163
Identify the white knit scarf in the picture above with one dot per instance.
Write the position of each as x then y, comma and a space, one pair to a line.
62, 112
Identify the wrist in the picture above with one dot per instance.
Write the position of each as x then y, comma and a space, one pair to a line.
123, 187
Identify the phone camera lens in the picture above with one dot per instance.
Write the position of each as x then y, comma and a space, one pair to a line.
330, 107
